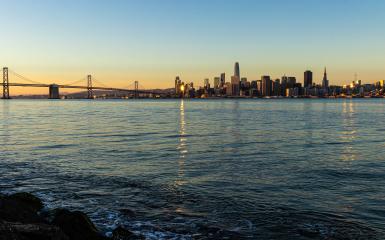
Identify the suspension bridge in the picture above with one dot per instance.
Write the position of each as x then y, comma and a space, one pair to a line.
135, 90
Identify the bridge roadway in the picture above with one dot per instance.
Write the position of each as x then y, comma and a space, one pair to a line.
82, 87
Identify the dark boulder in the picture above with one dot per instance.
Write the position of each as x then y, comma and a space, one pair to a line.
21, 207
27, 199
123, 234
36, 231
76, 225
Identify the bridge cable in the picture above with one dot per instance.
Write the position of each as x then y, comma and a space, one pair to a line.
100, 83
24, 78
78, 81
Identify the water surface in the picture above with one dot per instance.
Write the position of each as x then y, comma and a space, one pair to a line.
200, 169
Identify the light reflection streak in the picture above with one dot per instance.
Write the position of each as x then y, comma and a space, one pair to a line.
349, 134
182, 146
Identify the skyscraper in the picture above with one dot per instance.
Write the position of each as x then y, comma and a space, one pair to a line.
307, 79
178, 83
276, 88
284, 86
216, 82
266, 86
223, 80
207, 84
236, 70
325, 81
235, 86
291, 81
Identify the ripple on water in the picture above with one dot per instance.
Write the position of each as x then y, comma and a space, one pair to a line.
204, 169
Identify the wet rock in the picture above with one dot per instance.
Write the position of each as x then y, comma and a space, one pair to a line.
21, 207
27, 199
76, 225
231, 235
37, 231
124, 234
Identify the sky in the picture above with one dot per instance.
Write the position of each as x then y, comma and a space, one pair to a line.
153, 41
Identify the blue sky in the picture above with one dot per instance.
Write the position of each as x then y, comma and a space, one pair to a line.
154, 40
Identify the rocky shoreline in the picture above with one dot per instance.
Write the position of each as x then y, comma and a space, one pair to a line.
22, 217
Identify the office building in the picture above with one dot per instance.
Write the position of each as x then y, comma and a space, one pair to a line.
237, 72
291, 82
178, 86
223, 80
206, 84
266, 86
217, 82
308, 79
276, 88
284, 86
235, 86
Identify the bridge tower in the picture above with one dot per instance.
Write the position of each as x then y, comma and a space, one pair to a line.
89, 87
5, 83
136, 93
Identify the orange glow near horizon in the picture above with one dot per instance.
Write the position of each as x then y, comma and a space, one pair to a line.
152, 80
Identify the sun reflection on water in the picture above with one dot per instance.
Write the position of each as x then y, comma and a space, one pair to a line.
349, 134
182, 146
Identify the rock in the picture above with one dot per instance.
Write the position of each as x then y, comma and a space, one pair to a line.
123, 234
22, 218
39, 231
27, 199
21, 207
231, 235
76, 225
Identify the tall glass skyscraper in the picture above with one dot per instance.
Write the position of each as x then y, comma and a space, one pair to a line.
308, 79
236, 70
266, 86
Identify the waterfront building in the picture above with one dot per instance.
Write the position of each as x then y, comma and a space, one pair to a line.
243, 83
179, 87
217, 83
276, 88
228, 89
325, 81
284, 86
308, 79
235, 90
291, 81
223, 80
253, 88
253, 84
237, 72
380, 84
266, 86
289, 92
206, 84
244, 87
259, 87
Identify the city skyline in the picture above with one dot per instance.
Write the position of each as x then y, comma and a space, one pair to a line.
285, 86
152, 42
